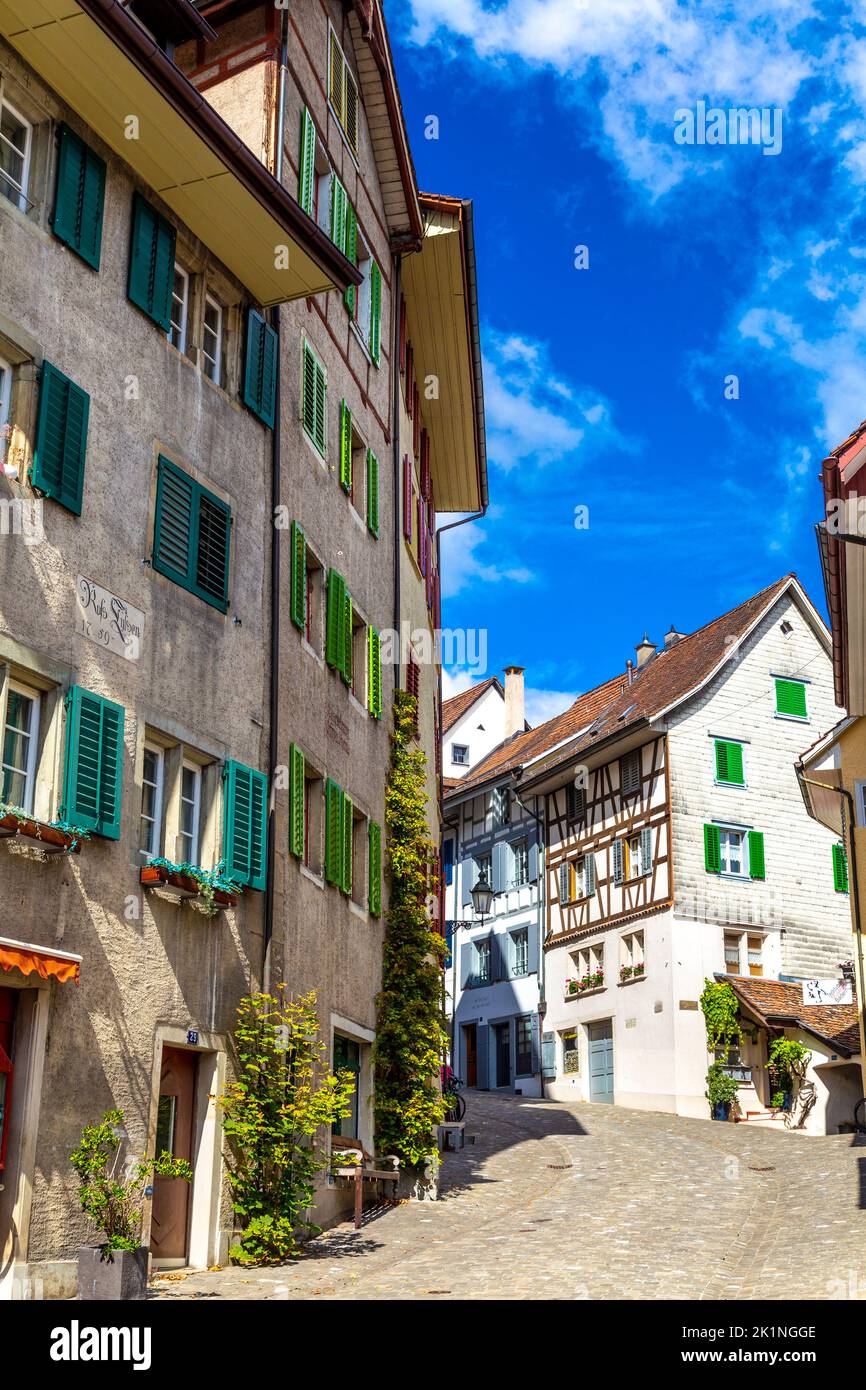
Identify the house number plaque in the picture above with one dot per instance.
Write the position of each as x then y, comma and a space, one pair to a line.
108, 620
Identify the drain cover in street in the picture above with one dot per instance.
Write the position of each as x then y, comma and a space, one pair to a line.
758, 1168
560, 1167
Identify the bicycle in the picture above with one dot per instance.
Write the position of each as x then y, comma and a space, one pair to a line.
455, 1105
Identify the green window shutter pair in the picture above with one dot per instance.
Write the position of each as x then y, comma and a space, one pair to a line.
299, 577
351, 252
191, 536
307, 175
840, 869
345, 447
314, 396
339, 205
348, 866
297, 792
151, 263
61, 439
374, 866
729, 762
791, 699
260, 369
375, 312
93, 764
374, 673
372, 493
79, 201
245, 824
713, 852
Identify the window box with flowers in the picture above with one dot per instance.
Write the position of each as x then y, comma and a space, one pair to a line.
627, 973
53, 837
585, 984
213, 889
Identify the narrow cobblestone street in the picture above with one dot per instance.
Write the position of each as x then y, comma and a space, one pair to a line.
596, 1202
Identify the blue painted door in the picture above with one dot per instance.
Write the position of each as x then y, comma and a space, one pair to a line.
601, 1061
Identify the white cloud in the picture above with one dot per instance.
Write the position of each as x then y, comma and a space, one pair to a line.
462, 566
455, 682
542, 705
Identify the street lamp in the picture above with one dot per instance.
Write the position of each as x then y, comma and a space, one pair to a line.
482, 896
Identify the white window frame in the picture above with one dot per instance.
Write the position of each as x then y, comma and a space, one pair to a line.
22, 202
485, 977
632, 949
521, 933
464, 748
33, 745
5, 402
744, 872
188, 766
158, 785
514, 846
211, 302
183, 327
635, 857
730, 937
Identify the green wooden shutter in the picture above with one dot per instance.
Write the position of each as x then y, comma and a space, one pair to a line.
191, 535
339, 204
245, 824
93, 767
345, 447
299, 577
347, 837
61, 439
374, 868
756, 854
729, 762
351, 252
347, 667
307, 176
333, 832
151, 262
375, 312
840, 869
372, 493
335, 619
374, 672
260, 371
712, 850
297, 787
791, 698
80, 197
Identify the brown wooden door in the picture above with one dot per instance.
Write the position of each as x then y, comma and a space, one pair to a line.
174, 1131
471, 1033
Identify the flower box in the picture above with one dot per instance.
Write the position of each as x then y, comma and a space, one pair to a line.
50, 838
627, 973
177, 885
589, 984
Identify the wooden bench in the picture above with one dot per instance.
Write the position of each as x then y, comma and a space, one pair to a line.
368, 1169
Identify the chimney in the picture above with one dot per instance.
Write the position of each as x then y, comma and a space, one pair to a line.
645, 650
514, 709
673, 636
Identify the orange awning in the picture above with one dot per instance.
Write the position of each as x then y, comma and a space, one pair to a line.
16, 955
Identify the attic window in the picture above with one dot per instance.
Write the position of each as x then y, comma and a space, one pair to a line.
626, 712
786, 627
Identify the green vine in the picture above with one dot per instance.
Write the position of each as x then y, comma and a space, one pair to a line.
788, 1060
720, 1007
210, 881
411, 1034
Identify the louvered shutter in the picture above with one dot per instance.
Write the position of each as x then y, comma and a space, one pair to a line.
410, 380
565, 883
351, 121
151, 263
347, 847
191, 535
407, 497
212, 553
93, 764
756, 854
629, 773
297, 791
336, 78
791, 698
646, 850
372, 493
374, 844
347, 665
375, 312
840, 869
61, 439
245, 813
588, 875
618, 862
345, 447
307, 174
80, 197
729, 762
712, 850
299, 577
339, 203
374, 672
335, 619
402, 332
321, 435
260, 370
351, 253
333, 832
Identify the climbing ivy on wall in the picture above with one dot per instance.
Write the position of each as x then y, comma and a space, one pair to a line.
411, 1033
720, 1007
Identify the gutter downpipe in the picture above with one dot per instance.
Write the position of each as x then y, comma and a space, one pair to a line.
541, 895
276, 493
858, 925
398, 470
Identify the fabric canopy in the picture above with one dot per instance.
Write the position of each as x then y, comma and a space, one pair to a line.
27, 959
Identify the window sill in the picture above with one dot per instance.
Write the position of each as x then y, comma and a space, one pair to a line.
361, 340
307, 872
793, 718
357, 910
318, 657
738, 786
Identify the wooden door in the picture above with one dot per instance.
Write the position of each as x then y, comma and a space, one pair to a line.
169, 1230
601, 1061
503, 1054
470, 1032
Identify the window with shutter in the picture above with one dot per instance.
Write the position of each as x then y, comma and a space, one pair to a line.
712, 849
372, 493
348, 868
80, 197
333, 832
342, 91
191, 535
840, 869
245, 814
307, 170
151, 263
351, 122
260, 370
345, 447
314, 397
629, 773
374, 842
729, 762
61, 439
374, 674
575, 802
791, 699
93, 764
299, 577
375, 313
297, 807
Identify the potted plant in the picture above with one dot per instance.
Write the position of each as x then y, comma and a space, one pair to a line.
213, 887
116, 1269
721, 1092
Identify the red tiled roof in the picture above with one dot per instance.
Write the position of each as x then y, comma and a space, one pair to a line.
455, 707
775, 1001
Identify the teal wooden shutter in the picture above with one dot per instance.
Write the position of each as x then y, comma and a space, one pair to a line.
93, 765
245, 824
347, 667
351, 252
151, 262
191, 535
729, 762
307, 175
712, 850
339, 203
333, 832
756, 854
840, 869
345, 447
347, 836
297, 788
299, 577
372, 493
374, 868
618, 862
791, 699
375, 312
374, 673
79, 200
61, 439
335, 619
260, 371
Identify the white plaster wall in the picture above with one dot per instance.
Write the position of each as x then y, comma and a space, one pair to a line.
488, 711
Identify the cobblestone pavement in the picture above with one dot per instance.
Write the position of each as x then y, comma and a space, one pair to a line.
593, 1201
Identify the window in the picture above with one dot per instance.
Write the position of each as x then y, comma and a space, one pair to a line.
150, 825
80, 197
732, 954
191, 535
179, 309
523, 1057
347, 1057
590, 966
460, 754
791, 699
314, 388
342, 91
360, 856
338, 836
729, 762
570, 1051
520, 941
20, 747
5, 406
151, 280
733, 851
314, 806
483, 972
629, 773
632, 858
16, 141
631, 958
484, 867
359, 658
840, 869
190, 813
213, 347
755, 948
520, 863
575, 803
566, 883
260, 369
501, 807
61, 439
339, 627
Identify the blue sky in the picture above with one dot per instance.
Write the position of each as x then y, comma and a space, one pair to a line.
605, 387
